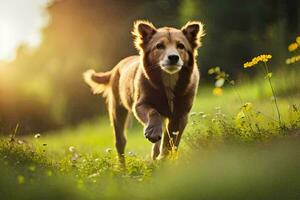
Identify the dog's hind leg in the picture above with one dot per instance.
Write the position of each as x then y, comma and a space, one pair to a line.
118, 116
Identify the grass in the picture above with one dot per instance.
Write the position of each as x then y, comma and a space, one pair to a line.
222, 156
88, 137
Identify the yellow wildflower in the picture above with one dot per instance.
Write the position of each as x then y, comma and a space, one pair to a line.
292, 60
247, 64
211, 71
261, 58
247, 106
218, 91
240, 115
298, 40
293, 47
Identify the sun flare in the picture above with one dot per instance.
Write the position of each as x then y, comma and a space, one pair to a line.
20, 22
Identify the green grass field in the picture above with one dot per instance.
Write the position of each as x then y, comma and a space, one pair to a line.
221, 157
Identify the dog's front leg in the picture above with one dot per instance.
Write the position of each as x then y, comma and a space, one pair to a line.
152, 121
155, 150
172, 136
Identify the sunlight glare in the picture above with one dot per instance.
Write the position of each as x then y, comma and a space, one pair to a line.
20, 22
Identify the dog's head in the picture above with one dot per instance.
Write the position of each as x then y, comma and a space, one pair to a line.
168, 48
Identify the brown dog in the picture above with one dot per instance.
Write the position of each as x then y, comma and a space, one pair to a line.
159, 84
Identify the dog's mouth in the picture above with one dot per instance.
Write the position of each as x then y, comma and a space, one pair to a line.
171, 69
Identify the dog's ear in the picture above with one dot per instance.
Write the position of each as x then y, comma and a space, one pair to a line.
193, 31
143, 32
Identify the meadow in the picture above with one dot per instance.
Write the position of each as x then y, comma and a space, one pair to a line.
234, 147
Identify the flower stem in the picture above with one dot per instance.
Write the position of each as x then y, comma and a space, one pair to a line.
237, 93
273, 92
242, 103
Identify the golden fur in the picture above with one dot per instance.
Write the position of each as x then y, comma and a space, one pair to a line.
159, 83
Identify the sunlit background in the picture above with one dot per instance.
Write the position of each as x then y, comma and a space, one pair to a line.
46, 45
20, 22
56, 141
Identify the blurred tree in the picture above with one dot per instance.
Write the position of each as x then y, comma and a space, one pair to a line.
237, 31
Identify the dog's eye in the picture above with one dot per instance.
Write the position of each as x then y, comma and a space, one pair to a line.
180, 46
160, 46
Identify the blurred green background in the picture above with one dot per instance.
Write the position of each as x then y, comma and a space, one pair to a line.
42, 88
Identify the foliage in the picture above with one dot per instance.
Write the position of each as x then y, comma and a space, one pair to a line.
246, 126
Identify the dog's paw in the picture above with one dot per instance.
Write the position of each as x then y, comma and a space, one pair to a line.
153, 132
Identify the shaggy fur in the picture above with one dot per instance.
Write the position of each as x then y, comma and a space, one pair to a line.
160, 83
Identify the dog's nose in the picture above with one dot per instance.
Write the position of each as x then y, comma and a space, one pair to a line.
173, 58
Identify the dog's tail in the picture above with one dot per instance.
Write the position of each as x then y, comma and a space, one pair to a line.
97, 81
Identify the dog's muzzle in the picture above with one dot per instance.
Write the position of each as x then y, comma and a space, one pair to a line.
171, 64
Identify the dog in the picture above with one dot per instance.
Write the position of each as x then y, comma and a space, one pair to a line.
158, 86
